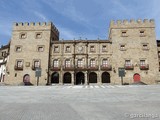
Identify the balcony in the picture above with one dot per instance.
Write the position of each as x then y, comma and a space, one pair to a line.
55, 68
93, 68
82, 68
68, 68
34, 67
106, 67
18, 67
128, 67
144, 67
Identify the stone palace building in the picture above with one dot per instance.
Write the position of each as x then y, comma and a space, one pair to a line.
131, 46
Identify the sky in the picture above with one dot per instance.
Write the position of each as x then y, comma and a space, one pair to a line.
76, 19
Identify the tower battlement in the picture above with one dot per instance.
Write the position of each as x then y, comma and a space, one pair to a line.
132, 23
35, 26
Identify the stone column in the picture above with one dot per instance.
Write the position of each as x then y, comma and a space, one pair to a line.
61, 78
99, 78
72, 81
86, 78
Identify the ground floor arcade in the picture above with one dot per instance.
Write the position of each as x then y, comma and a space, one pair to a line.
79, 77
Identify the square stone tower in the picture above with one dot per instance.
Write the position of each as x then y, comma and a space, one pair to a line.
29, 50
134, 49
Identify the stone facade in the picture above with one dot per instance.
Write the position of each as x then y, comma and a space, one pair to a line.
131, 46
4, 54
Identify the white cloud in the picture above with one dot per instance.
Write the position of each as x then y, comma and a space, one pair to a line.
40, 15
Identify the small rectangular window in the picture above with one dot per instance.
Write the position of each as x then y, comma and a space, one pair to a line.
92, 48
142, 33
23, 35
38, 35
104, 48
40, 49
145, 47
124, 33
68, 49
18, 48
56, 48
122, 47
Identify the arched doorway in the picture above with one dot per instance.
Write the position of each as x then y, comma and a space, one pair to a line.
105, 77
26, 80
67, 78
55, 77
136, 77
92, 77
80, 78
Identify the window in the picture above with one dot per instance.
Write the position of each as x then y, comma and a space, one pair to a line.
142, 33
19, 65
104, 62
67, 63
145, 46
92, 48
159, 54
18, 48
56, 49
124, 33
40, 48
122, 47
92, 63
36, 64
4, 53
68, 49
80, 63
23, 35
38, 35
55, 63
104, 48
127, 62
142, 63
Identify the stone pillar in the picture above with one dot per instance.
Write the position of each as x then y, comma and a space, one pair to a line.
72, 81
61, 78
86, 78
49, 78
99, 78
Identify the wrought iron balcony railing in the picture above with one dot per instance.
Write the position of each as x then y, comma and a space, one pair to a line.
53, 68
129, 67
18, 67
144, 67
106, 67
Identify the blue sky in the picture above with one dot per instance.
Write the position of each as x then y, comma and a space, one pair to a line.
76, 18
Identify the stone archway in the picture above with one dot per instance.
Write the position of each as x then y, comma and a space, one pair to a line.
92, 77
80, 78
67, 78
55, 78
105, 77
